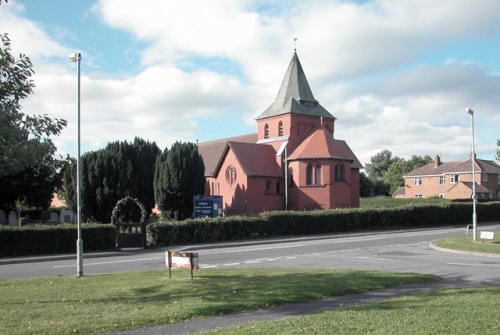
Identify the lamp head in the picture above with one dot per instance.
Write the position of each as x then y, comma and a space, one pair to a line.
75, 57
469, 111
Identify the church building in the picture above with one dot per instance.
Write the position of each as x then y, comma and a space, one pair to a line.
293, 162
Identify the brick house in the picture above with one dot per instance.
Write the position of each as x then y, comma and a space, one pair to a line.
292, 162
453, 180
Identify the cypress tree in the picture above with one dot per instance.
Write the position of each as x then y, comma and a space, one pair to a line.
180, 176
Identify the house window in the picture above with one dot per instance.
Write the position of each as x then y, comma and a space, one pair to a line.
339, 172
442, 195
417, 196
231, 174
485, 176
454, 178
441, 180
280, 129
269, 185
418, 181
317, 179
266, 131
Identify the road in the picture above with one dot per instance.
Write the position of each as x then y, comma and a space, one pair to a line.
402, 251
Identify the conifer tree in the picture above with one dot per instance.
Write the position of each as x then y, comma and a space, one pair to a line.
180, 175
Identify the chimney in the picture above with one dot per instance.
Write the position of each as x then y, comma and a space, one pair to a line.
437, 161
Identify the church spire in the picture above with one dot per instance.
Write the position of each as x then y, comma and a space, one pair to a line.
295, 95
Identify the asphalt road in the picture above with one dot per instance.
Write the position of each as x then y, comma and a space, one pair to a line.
403, 251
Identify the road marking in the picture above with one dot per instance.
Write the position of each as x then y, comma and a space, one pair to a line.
474, 265
268, 248
114, 262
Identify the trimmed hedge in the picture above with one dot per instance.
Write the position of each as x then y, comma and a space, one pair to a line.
283, 223
45, 240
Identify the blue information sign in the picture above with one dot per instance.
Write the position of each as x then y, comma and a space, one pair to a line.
207, 206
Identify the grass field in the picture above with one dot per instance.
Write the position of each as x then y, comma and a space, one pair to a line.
465, 242
455, 312
118, 301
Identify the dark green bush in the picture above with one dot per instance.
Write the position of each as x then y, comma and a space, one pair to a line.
282, 223
45, 240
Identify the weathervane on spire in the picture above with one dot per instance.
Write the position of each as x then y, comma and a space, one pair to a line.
295, 44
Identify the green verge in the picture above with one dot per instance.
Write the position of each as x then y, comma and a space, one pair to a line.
119, 301
465, 242
452, 311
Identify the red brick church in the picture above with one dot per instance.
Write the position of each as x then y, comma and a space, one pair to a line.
293, 161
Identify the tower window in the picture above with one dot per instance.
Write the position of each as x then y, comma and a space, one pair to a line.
266, 131
280, 129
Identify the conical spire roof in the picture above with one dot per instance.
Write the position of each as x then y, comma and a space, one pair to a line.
295, 95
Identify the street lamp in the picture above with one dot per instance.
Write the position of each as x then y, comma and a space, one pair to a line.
77, 57
473, 160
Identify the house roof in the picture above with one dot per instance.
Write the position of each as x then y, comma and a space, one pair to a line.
212, 151
400, 191
319, 144
455, 167
295, 95
468, 184
256, 160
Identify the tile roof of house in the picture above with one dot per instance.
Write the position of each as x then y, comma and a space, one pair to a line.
455, 167
468, 184
295, 95
319, 143
256, 160
400, 191
212, 151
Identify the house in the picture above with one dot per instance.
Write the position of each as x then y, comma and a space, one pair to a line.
453, 180
292, 162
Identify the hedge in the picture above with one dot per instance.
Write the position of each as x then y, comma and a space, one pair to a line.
45, 240
281, 223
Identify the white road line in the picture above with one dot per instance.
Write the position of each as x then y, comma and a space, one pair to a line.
114, 262
475, 265
268, 248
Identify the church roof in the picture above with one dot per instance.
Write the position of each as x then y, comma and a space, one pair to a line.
295, 95
256, 160
212, 151
319, 144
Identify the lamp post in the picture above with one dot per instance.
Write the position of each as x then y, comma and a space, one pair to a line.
473, 160
77, 57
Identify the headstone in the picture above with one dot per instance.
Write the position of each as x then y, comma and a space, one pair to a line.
3, 219
13, 219
66, 216
54, 218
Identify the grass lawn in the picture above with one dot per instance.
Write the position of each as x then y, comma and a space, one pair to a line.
465, 242
455, 311
118, 301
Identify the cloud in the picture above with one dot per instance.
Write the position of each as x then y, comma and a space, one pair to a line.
369, 63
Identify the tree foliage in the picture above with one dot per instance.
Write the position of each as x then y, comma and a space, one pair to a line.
28, 168
179, 176
24, 139
498, 151
108, 175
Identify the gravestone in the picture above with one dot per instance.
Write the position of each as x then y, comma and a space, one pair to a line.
53, 218
13, 219
66, 216
3, 219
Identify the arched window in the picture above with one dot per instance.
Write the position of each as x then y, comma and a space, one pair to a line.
269, 186
266, 131
317, 173
231, 174
339, 172
309, 174
278, 187
280, 129
290, 177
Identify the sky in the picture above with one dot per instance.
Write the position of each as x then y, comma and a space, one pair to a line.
397, 74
